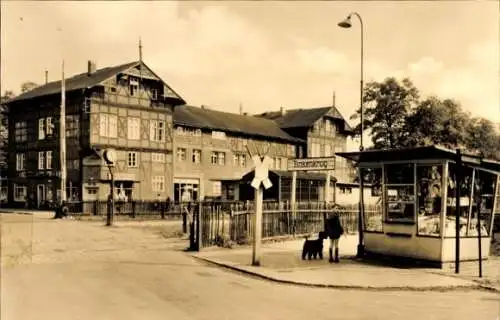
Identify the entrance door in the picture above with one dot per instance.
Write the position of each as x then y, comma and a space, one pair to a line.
40, 195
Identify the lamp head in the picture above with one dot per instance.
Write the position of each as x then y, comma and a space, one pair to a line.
346, 23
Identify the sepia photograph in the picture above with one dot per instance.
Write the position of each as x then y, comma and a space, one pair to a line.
247, 160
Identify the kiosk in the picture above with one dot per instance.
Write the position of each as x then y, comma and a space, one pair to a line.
418, 188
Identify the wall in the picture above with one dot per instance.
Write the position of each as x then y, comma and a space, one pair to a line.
206, 172
325, 132
426, 248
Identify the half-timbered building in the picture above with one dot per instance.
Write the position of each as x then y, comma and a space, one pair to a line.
325, 131
127, 107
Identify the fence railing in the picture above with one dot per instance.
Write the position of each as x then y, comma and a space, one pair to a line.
232, 221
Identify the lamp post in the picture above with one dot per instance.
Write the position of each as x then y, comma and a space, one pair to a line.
347, 24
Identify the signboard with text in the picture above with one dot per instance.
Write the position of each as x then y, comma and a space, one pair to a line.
311, 164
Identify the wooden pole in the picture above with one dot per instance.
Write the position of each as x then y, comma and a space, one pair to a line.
259, 192
479, 238
458, 176
327, 187
62, 137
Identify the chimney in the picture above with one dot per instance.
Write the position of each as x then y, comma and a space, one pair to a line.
46, 76
282, 111
241, 109
333, 102
91, 67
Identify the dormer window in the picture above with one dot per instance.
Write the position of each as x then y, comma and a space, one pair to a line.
133, 86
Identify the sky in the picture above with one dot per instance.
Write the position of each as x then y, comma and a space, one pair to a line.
264, 55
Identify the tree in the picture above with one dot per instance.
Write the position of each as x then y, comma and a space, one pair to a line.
482, 137
4, 127
27, 86
436, 121
387, 106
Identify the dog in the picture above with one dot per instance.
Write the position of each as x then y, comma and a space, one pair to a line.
313, 248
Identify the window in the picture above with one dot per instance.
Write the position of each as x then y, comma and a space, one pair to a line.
108, 125
44, 160
48, 157
196, 157
132, 159
41, 128
216, 188
239, 160
157, 130
400, 193
92, 190
133, 86
374, 216
72, 126
328, 150
315, 150
183, 131
429, 199
21, 131
133, 128
277, 163
218, 135
49, 126
41, 160
158, 157
158, 183
218, 158
345, 190
154, 94
181, 154
19, 193
20, 161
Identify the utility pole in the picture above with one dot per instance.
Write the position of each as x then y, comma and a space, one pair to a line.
62, 136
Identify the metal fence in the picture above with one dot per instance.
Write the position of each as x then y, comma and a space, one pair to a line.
143, 210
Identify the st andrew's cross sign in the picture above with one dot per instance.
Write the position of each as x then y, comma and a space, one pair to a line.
261, 172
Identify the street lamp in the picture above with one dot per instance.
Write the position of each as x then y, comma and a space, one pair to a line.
347, 24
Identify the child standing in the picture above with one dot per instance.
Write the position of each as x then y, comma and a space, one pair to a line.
334, 231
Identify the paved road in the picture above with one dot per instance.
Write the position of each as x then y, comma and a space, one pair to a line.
81, 270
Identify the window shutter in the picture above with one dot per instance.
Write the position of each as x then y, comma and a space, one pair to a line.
152, 135
41, 129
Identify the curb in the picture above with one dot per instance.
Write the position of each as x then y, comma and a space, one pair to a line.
348, 287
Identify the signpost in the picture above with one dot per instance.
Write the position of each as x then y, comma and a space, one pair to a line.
311, 164
110, 158
261, 179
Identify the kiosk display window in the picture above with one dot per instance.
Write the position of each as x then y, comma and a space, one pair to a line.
373, 213
429, 199
483, 200
400, 192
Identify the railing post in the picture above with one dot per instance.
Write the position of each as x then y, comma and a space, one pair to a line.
163, 205
133, 209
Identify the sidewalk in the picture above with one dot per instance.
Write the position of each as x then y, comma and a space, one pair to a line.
282, 262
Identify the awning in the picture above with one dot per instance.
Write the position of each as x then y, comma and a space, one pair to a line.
419, 153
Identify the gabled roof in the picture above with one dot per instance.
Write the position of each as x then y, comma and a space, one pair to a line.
79, 81
303, 118
229, 122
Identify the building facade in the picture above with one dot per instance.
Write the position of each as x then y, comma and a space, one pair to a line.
127, 108
213, 148
325, 131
